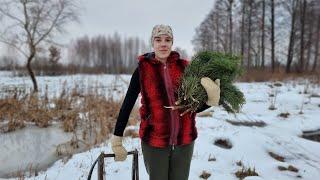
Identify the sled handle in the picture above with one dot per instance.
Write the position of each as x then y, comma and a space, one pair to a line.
100, 161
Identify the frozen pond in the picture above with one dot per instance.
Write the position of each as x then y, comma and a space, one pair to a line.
36, 147
30, 147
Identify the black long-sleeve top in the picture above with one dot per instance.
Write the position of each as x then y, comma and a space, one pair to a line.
129, 101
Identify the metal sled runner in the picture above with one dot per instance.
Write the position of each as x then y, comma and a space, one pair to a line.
100, 161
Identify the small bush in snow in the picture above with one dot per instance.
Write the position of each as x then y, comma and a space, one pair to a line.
205, 175
211, 158
284, 115
245, 172
289, 168
224, 143
273, 98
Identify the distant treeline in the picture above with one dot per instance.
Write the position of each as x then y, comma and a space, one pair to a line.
98, 54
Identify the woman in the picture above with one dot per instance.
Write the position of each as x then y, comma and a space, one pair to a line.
167, 134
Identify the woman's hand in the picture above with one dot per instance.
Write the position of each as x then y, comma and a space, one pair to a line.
213, 90
118, 149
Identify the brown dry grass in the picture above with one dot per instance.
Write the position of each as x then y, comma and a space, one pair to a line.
245, 172
262, 75
284, 114
224, 143
90, 114
276, 156
205, 175
289, 168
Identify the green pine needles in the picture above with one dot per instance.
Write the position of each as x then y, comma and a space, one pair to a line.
215, 65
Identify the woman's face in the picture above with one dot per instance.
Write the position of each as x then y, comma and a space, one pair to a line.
162, 46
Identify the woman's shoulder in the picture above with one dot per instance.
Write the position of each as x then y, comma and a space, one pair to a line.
145, 56
184, 62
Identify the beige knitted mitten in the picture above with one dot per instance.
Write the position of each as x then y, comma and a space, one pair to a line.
118, 149
213, 90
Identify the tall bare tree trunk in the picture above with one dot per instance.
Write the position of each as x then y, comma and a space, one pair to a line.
263, 34
242, 31
272, 36
302, 21
218, 32
310, 42
249, 34
314, 66
292, 37
230, 25
30, 71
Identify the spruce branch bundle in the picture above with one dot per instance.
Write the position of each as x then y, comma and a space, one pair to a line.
215, 65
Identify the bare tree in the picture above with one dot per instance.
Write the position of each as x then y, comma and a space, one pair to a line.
272, 37
309, 44
243, 10
230, 24
28, 24
249, 33
292, 8
263, 33
303, 5
316, 54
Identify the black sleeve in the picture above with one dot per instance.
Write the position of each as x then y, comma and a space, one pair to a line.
202, 108
128, 103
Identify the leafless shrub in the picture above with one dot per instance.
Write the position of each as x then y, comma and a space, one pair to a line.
289, 168
205, 175
273, 98
245, 172
284, 114
211, 158
224, 143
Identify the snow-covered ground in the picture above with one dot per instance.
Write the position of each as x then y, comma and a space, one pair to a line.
250, 144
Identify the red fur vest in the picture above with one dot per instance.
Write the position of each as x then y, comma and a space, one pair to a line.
159, 127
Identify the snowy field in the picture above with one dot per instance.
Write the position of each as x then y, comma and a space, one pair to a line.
250, 145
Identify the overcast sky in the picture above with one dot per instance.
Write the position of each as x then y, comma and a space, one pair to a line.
137, 17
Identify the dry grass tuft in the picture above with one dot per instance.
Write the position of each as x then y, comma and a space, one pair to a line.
245, 172
205, 175
289, 168
284, 115
211, 158
224, 143
263, 75
276, 156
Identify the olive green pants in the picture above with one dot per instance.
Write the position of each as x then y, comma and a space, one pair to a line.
167, 163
